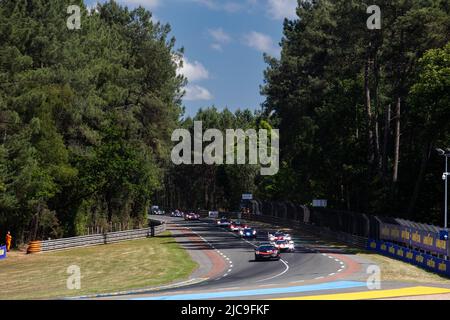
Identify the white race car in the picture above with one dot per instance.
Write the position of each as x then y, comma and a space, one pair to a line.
285, 245
279, 235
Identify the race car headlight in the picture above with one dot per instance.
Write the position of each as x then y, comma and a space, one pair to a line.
254, 232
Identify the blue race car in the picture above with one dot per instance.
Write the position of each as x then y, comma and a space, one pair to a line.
248, 233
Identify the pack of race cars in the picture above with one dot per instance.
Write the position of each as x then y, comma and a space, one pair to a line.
277, 242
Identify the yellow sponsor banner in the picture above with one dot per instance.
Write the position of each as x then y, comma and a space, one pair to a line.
385, 231
441, 244
416, 237
431, 263
406, 235
419, 259
428, 240
395, 233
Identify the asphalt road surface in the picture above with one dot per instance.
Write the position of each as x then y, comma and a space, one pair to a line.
227, 270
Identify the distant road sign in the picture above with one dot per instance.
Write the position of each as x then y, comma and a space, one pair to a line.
247, 196
320, 203
214, 214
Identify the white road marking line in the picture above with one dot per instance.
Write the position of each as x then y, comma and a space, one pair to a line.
337, 260
301, 281
266, 285
332, 274
319, 278
341, 263
278, 275
340, 270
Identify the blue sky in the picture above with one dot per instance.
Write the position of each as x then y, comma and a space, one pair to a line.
224, 42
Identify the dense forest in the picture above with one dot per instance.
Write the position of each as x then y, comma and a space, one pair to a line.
361, 111
86, 116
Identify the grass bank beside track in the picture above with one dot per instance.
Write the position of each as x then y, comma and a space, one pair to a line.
109, 268
391, 269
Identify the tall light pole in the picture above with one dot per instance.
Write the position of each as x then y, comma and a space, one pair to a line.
445, 154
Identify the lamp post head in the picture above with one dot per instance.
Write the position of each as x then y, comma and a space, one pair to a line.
440, 151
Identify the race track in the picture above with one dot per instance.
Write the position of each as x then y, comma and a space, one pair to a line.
228, 269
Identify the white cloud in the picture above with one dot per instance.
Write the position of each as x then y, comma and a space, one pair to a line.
217, 47
228, 6
145, 3
197, 93
275, 9
280, 9
194, 71
219, 35
220, 38
261, 42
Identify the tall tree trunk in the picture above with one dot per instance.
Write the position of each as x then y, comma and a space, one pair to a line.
397, 140
387, 129
377, 146
426, 154
378, 155
369, 115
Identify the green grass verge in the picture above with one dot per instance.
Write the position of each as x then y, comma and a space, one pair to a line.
104, 269
396, 270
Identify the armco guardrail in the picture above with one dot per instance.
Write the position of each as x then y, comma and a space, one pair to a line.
97, 239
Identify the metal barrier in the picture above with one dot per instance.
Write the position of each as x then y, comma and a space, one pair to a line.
410, 256
156, 228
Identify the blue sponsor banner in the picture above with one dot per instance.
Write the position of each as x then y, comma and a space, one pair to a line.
428, 241
2, 252
417, 258
373, 245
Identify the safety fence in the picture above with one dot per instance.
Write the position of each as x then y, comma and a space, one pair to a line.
420, 259
347, 226
156, 228
412, 237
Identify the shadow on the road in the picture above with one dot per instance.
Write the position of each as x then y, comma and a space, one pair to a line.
262, 261
222, 239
